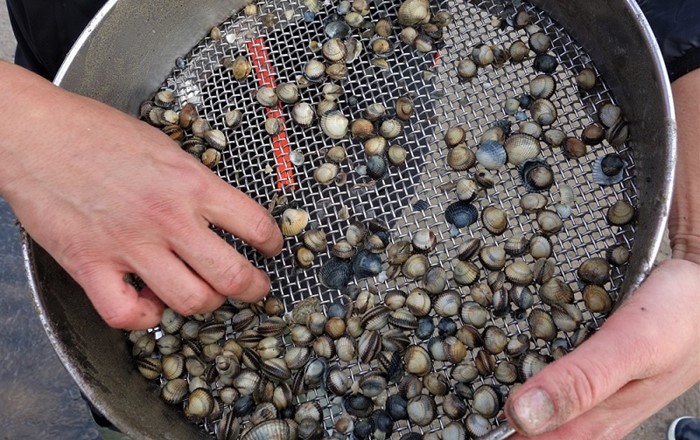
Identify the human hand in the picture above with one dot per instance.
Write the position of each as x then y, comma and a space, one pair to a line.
646, 354
108, 195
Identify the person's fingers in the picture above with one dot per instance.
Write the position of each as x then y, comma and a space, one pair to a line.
175, 283
614, 417
118, 303
631, 345
218, 263
576, 383
243, 217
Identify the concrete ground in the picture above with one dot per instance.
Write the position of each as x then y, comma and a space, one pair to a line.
7, 40
652, 429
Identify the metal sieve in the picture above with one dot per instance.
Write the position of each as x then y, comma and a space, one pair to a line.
408, 198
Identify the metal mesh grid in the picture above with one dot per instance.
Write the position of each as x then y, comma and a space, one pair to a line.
441, 101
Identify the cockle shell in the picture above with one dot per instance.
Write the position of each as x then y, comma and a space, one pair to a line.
391, 128
375, 111
334, 124
586, 79
461, 158
540, 42
461, 214
620, 213
293, 221
303, 114
467, 69
543, 112
536, 175
518, 51
314, 70
542, 86
413, 12
521, 147
405, 108
494, 219
608, 170
491, 155
266, 96
326, 173
334, 50
454, 136
288, 93
362, 128
241, 68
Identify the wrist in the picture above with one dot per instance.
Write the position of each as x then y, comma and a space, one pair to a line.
31, 121
684, 222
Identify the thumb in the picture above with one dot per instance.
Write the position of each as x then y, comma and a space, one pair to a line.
618, 353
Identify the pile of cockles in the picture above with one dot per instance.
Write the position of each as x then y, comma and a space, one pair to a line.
428, 335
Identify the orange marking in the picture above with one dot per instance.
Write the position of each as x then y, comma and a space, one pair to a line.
436, 59
265, 77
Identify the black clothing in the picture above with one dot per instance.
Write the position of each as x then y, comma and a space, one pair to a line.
676, 25
46, 30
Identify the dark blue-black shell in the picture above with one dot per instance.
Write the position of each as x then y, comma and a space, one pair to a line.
461, 214
421, 205
525, 101
358, 405
447, 327
363, 429
608, 170
336, 273
383, 421
243, 406
425, 328
397, 407
612, 164
337, 310
545, 63
376, 166
366, 264
504, 124
335, 27
352, 291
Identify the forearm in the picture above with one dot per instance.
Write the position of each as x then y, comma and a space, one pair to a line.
53, 141
43, 126
22, 99
684, 222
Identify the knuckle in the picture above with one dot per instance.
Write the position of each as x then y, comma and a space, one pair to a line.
236, 278
265, 230
191, 304
121, 319
159, 209
583, 387
79, 259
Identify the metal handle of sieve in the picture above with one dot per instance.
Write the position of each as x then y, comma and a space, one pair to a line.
503, 431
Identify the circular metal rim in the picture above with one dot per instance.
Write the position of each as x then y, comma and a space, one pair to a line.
96, 394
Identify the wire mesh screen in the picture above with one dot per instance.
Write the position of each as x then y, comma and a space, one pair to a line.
416, 194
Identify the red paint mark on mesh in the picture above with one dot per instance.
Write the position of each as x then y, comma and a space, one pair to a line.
265, 77
436, 59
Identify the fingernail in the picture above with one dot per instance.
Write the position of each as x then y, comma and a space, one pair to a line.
531, 411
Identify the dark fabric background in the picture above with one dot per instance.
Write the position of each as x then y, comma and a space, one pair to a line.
676, 25
46, 29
